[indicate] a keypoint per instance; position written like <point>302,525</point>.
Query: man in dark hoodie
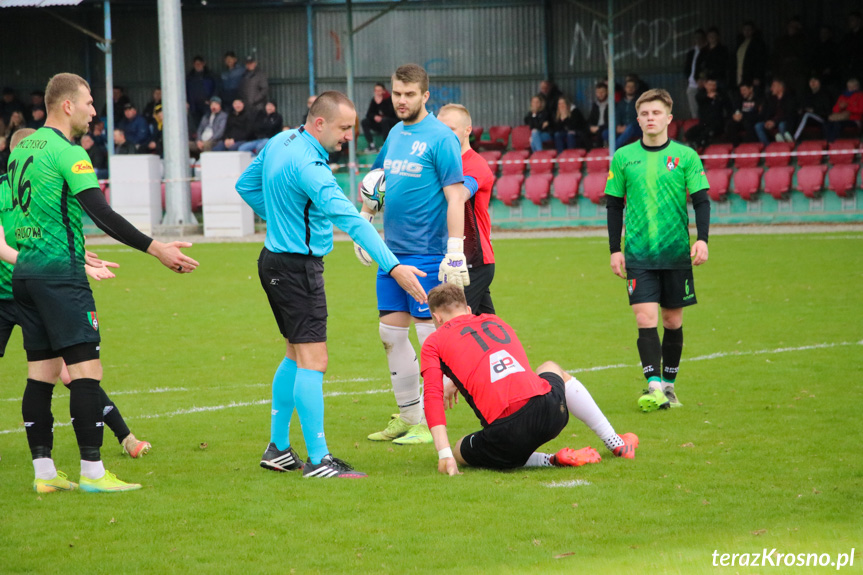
<point>238,129</point>
<point>200,87</point>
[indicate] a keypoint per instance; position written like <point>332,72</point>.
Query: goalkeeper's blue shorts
<point>391,296</point>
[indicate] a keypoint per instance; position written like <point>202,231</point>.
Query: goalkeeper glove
<point>453,268</point>
<point>362,254</point>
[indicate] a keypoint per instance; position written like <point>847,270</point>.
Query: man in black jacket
<point>380,117</point>
<point>238,129</point>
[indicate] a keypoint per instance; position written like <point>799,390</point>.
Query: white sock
<point>667,384</point>
<point>580,404</point>
<point>538,459</point>
<point>423,331</point>
<point>44,468</point>
<point>404,372</point>
<point>92,469</point>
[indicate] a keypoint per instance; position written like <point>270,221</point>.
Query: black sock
<point>672,349</point>
<point>85,407</point>
<point>38,419</point>
<point>111,416</point>
<point>650,350</point>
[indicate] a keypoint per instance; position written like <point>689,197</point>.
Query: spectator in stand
<point>200,88</point>
<point>37,118</point>
<point>232,77</point>
<point>120,100</point>
<point>848,110</point>
<point>211,129</point>
<point>597,120</point>
<point>815,106</point>
<point>779,114</point>
<point>254,88</point>
<point>98,155</point>
<point>747,113</point>
<point>717,63</point>
<point>825,58</point>
<point>4,154</point>
<point>121,146</point>
<point>751,64</point>
<point>380,117</point>
<point>16,122</point>
<point>37,99</point>
<point>713,111</point>
<point>692,70</point>
<point>150,108</point>
<point>267,125</point>
<point>851,48</point>
<point>97,132</point>
<point>539,121</point>
<point>551,93</point>
<point>135,126</point>
<point>239,128</point>
<point>627,118</point>
<point>154,146</point>
<point>9,104</point>
<point>570,127</point>
<point>791,57</point>
<point>640,85</point>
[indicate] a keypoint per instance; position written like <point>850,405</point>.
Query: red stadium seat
<point>106,190</point>
<point>542,162</point>
<point>810,179</point>
<point>521,138</point>
<point>492,157</point>
<point>716,150</point>
<point>513,162</point>
<point>498,138</point>
<point>718,179</point>
<point>508,189</point>
<point>687,124</point>
<point>673,130</point>
<point>850,145</point>
<point>782,151</point>
<point>777,181</point>
<point>597,161</point>
<point>537,188</point>
<point>748,148</point>
<point>594,187</point>
<point>842,179</point>
<point>195,189</point>
<point>570,161</point>
<point>475,135</point>
<point>810,146</point>
<point>747,182</point>
<point>566,187</point>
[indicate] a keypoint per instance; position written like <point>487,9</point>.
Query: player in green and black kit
<point>653,176</point>
<point>52,182</point>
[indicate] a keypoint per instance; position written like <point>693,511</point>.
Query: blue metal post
<point>109,81</point>
<point>612,119</point>
<point>310,33</point>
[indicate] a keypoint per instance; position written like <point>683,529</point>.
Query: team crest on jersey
<point>93,320</point>
<point>630,285</point>
<point>501,365</point>
<point>671,163</point>
<point>82,167</point>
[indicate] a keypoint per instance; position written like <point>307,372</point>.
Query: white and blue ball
<point>373,189</point>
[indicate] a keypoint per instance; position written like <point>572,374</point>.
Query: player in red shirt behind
<point>518,409</point>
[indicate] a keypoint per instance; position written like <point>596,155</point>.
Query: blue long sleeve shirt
<point>291,186</point>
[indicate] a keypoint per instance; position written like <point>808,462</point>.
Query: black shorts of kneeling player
<point>294,285</point>
<point>508,442</point>
<point>671,289</point>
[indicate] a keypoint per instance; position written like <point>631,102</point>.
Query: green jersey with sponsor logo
<point>654,181</point>
<point>46,171</point>
<point>7,220</point>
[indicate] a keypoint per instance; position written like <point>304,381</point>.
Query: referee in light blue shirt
<point>290,185</point>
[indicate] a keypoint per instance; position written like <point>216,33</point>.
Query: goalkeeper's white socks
<point>404,372</point>
<point>580,404</point>
<point>423,331</point>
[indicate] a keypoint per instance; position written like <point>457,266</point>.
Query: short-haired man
<point>477,222</point>
<point>290,185</point>
<point>57,311</point>
<point>424,226</point>
<point>519,410</point>
<point>652,176</point>
<point>135,127</point>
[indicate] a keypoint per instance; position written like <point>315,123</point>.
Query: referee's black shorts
<point>507,443</point>
<point>294,285</point>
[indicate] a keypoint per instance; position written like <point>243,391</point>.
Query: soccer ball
<point>373,189</point>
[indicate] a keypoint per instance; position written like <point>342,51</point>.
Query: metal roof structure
<point>37,3</point>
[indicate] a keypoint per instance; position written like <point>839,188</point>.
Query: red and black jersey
<point>477,222</point>
<point>485,360</point>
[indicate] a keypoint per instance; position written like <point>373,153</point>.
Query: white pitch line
<point>571,483</point>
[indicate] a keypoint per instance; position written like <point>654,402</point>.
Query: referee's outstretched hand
<point>171,256</point>
<point>618,264</point>
<point>406,276</point>
<point>698,253</point>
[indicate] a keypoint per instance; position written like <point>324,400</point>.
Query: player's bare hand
<point>172,257</point>
<point>698,253</point>
<point>618,264</point>
<point>406,276</point>
<point>450,393</point>
<point>99,273</point>
<point>92,259</point>
<point>448,466</point>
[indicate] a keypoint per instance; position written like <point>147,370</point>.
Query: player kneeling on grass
<point>519,410</point>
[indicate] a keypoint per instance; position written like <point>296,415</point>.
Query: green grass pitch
<point>765,454</point>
